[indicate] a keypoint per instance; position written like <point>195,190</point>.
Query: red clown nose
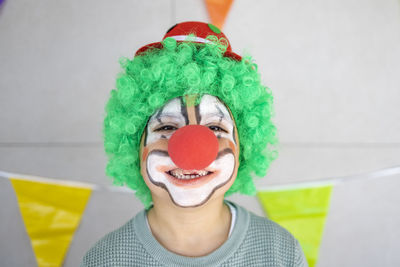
<point>193,147</point>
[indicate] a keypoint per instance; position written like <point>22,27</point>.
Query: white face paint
<point>212,110</point>
<point>189,188</point>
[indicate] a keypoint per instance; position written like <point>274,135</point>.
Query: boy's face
<point>189,188</point>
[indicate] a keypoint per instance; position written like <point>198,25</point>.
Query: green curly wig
<point>154,77</point>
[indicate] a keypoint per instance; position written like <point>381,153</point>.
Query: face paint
<point>190,187</point>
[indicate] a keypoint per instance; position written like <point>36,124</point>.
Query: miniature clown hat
<point>180,32</point>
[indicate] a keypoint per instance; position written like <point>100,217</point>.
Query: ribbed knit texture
<point>233,218</point>
<point>255,241</point>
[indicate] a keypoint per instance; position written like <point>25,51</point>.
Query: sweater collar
<point>217,257</point>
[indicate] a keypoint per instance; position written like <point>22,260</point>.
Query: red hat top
<point>181,31</point>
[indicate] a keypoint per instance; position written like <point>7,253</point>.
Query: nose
<point>193,147</point>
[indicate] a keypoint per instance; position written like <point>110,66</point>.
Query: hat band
<point>189,38</point>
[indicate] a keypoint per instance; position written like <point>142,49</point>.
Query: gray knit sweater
<point>255,241</point>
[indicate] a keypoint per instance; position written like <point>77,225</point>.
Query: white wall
<point>333,66</point>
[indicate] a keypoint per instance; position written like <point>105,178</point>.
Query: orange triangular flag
<point>218,11</point>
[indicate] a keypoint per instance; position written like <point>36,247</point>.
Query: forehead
<point>212,104</point>
<point>209,106</point>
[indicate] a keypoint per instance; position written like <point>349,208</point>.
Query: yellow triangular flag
<point>218,11</point>
<point>51,213</point>
<point>302,211</point>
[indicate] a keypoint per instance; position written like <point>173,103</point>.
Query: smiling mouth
<point>188,175</point>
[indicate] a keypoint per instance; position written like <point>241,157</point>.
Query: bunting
<point>51,214</point>
<point>218,11</point>
<point>302,211</point>
<point>52,209</point>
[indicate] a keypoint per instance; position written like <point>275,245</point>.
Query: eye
<point>216,128</point>
<point>165,128</point>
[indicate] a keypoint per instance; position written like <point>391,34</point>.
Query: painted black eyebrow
<point>219,110</point>
<point>220,113</point>
<point>184,111</point>
<point>221,116</point>
<point>169,115</point>
<point>227,108</point>
<point>228,119</point>
<point>197,113</point>
<point>159,113</point>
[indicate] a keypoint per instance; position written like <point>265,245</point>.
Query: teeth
<point>202,172</point>
<point>179,173</point>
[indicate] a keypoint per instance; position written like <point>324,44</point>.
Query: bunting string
<point>52,209</point>
<point>377,174</point>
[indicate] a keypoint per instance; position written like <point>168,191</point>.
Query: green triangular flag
<point>302,211</point>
